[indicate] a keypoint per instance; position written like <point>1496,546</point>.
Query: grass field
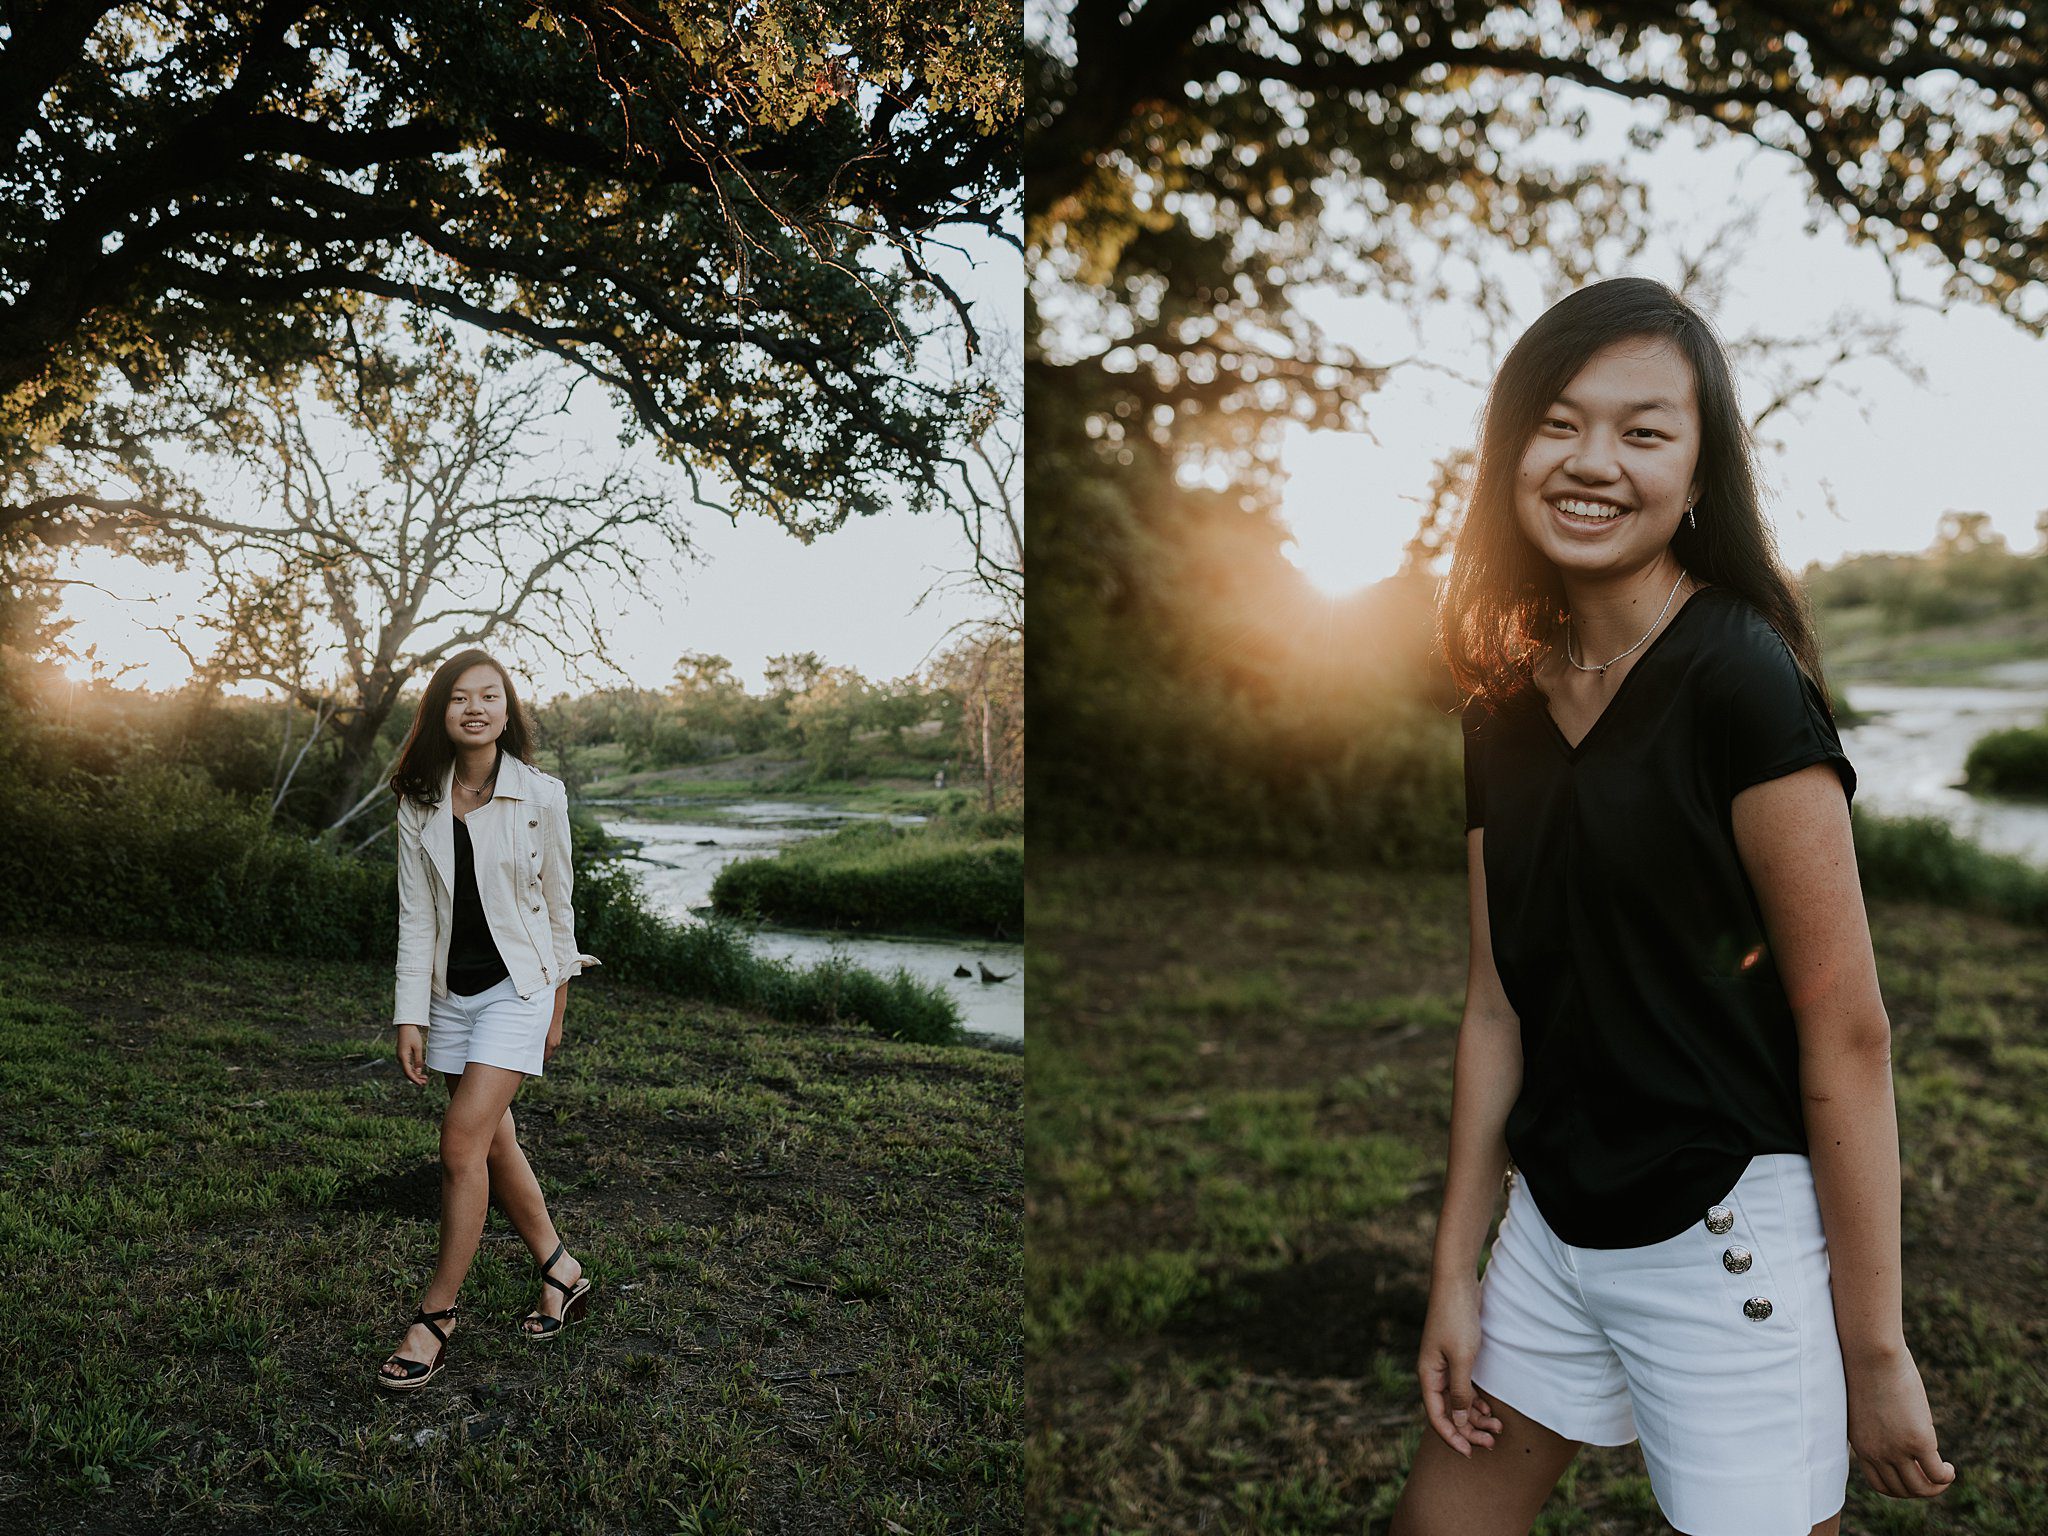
<point>1862,646</point>
<point>900,786</point>
<point>218,1206</point>
<point>1240,1095</point>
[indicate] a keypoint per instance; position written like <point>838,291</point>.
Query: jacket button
<point>533,823</point>
<point>1720,1219</point>
<point>1736,1261</point>
<point>536,909</point>
<point>1756,1309</point>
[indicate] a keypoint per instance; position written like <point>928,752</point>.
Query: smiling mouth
<point>1587,510</point>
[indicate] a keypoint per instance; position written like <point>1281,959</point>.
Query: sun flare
<point>1347,527</point>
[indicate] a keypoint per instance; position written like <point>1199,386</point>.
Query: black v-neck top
<point>474,964</point>
<point>1659,1052</point>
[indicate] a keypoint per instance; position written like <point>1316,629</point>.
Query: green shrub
<point>963,873</point>
<point>2013,762</point>
<point>159,853</point>
<point>1377,781</point>
<point>715,961</point>
<point>1922,858</point>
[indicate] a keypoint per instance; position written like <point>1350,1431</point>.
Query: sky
<point>851,596</point>
<point>1968,439</point>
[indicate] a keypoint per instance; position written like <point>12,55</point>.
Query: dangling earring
<point>1691,518</point>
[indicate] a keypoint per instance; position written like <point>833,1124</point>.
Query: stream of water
<point>1909,759</point>
<point>683,847</point>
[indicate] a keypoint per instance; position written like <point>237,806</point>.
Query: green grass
<point>893,786</point>
<point>1863,644</point>
<point>1240,1098</point>
<point>957,875</point>
<point>218,1202</point>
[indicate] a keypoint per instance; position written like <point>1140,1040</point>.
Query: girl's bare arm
<point>1793,836</point>
<point>1484,1083</point>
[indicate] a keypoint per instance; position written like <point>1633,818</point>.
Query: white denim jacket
<point>521,840</point>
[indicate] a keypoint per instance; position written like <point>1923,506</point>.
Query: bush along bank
<point>1923,858</point>
<point>2012,763</point>
<point>959,875</point>
<point>158,853</point>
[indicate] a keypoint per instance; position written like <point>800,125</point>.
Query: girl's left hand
<point>555,1025</point>
<point>1892,1432</point>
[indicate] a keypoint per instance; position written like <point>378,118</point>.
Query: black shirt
<point>1659,1052</point>
<point>474,964</point>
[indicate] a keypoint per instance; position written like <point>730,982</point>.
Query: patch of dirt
<point>1327,1316</point>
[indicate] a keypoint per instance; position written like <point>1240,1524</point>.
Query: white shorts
<point>1744,1419</point>
<point>496,1026</point>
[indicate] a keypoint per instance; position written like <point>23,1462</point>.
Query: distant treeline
<point>1968,573</point>
<point>838,724</point>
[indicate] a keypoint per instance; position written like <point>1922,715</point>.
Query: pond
<point>684,845</point>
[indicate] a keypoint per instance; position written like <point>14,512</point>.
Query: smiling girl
<point>486,947</point>
<point>1672,1026</point>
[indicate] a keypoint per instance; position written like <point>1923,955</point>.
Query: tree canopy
<point>1189,162</point>
<point>1193,168</point>
<point>722,215</point>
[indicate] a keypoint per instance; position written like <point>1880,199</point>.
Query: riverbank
<point>220,1199</point>
<point>1241,1084</point>
<point>755,775</point>
<point>2003,649</point>
<point>678,853</point>
<point>961,875</point>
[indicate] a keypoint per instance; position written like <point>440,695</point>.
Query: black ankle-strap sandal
<point>572,1309</point>
<point>417,1372</point>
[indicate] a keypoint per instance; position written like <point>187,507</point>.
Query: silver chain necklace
<point>489,779</point>
<point>1610,661</point>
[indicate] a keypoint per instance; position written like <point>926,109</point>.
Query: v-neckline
<point>1573,753</point>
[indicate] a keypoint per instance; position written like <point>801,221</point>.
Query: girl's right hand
<point>412,1054</point>
<point>1450,1343</point>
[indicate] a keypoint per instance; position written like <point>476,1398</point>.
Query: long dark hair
<point>1503,602</point>
<point>427,751</point>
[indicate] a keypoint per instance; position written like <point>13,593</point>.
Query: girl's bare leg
<point>480,1098</point>
<point>519,1195</point>
<point>1447,1495</point>
<point>1497,1491</point>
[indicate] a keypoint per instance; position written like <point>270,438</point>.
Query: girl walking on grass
<point>1672,1025</point>
<point>486,947</point>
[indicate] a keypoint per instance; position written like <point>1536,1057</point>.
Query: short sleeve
<point>1776,720</point>
<point>1475,778</point>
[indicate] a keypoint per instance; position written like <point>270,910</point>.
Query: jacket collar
<point>515,782</point>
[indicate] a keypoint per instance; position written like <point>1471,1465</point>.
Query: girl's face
<point>1604,479</point>
<point>476,709</point>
